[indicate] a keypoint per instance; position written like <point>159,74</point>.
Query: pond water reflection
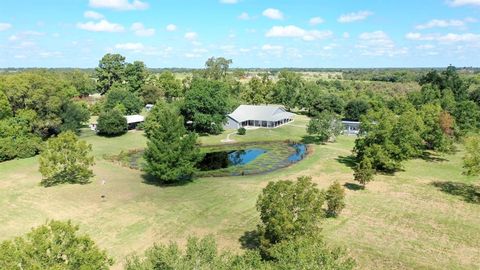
<point>225,159</point>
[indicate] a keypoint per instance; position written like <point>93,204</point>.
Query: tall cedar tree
<point>66,159</point>
<point>172,152</point>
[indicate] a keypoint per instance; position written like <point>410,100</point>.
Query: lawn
<point>399,222</point>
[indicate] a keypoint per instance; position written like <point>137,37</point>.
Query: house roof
<point>260,112</point>
<point>134,118</point>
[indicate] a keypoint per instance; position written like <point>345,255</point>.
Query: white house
<point>258,116</point>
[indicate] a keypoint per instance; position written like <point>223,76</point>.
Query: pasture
<point>402,221</point>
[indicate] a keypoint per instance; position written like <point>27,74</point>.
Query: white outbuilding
<point>266,116</point>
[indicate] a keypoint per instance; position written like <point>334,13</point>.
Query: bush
<point>335,199</point>
<point>241,131</point>
<point>66,159</point>
<point>112,123</point>
<point>55,245</point>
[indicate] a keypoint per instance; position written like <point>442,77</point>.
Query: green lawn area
<point>399,222</point>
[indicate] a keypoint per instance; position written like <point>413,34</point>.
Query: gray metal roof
<point>260,113</point>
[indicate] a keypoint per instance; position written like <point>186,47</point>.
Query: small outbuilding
<point>134,120</point>
<point>266,116</point>
<point>351,127</point>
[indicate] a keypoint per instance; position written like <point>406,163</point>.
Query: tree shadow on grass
<point>153,181</point>
<point>353,186</point>
<point>432,157</point>
<point>307,139</point>
<point>469,193</point>
<point>348,161</point>
<point>250,240</point>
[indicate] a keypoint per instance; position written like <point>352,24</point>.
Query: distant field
<point>399,222</point>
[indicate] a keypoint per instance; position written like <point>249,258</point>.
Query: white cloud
<point>228,1</point>
<point>457,3</point>
<point>244,16</point>
<point>93,15</point>
<point>119,4</point>
<point>346,35</point>
<point>101,26</point>
<point>445,23</point>
<point>5,26</point>
<point>135,47</point>
<point>272,48</point>
<point>191,36</point>
<point>141,31</point>
<point>378,43</point>
<point>273,14</point>
<point>355,16</point>
<point>316,20</point>
<point>293,31</point>
<point>425,47</point>
<point>171,27</point>
<point>446,38</point>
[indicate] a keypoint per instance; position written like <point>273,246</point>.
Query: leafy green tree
<point>54,245</point>
<point>136,74</point>
<point>325,126</point>
<point>112,123</point>
<point>170,86</point>
<point>309,252</point>
<point>81,81</point>
<point>151,93</point>
<point>5,108</point>
<point>287,88</point>
<point>471,160</point>
<point>327,102</point>
<point>65,159</point>
<point>309,97</point>
<point>475,96</point>
<point>467,116</point>
<point>74,115</point>
<point>407,136</point>
<point>110,70</point>
<point>120,96</point>
<point>205,106</point>
<point>335,197</point>
<point>355,109</point>
<point>435,136</point>
<point>364,171</point>
<point>17,139</point>
<point>289,209</point>
<point>216,68</point>
<point>172,152</point>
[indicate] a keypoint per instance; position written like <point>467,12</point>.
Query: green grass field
<point>398,222</point>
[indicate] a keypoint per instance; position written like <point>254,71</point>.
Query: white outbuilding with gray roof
<point>266,116</point>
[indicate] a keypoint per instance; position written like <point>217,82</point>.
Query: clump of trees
<point>325,126</point>
<point>289,237</point>
<point>54,245</point>
<point>172,152</point>
<point>65,159</point>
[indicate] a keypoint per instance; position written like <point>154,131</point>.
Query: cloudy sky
<point>254,33</point>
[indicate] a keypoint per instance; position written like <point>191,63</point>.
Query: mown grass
<point>398,222</point>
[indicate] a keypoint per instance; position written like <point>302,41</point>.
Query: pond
<point>225,159</point>
<point>232,159</point>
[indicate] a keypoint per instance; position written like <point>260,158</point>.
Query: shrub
<point>335,197</point>
<point>241,131</point>
<point>112,123</point>
<point>66,159</point>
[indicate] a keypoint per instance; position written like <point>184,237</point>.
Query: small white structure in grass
<point>266,116</point>
<point>351,127</point>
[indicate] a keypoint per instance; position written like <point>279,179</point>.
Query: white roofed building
<point>267,116</point>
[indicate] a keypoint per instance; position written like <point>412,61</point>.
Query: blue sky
<point>254,33</point>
